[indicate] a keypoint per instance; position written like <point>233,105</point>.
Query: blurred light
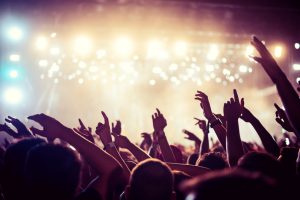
<point>83,45</point>
<point>181,48</point>
<point>12,95</point>
<point>41,43</point>
<point>80,81</point>
<point>296,67</point>
<point>14,57</point>
<point>43,63</point>
<point>209,67</point>
<point>152,82</point>
<point>15,33</point>
<point>156,50</point>
<point>100,53</point>
<point>249,50</point>
<point>278,51</point>
<point>243,68</point>
<point>54,51</point>
<point>123,46</point>
<point>13,73</point>
<point>297,45</point>
<point>213,52</point>
<point>297,79</point>
<point>53,35</point>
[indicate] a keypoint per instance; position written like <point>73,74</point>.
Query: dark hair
<point>151,179</point>
<point>213,161</point>
<point>179,178</point>
<point>192,159</point>
<point>14,164</point>
<point>52,172</point>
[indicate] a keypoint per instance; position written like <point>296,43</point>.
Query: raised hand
<point>281,118</point>
<point>51,127</point>
<point>202,125</point>
<point>266,60</point>
<point>84,132</point>
<point>247,116</point>
<point>9,131</point>
<point>103,130</point>
<point>204,103</point>
<point>21,128</point>
<point>116,129</point>
<point>191,136</point>
<point>233,108</point>
<point>159,122</point>
<point>122,141</point>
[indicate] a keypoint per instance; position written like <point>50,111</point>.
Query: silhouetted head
<point>150,179</point>
<point>230,184</point>
<point>261,162</point>
<point>14,164</point>
<point>192,159</point>
<point>52,172</point>
<point>213,161</point>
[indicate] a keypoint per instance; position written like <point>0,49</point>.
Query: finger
<point>8,120</point>
<point>106,121</point>
<point>231,100</point>
<point>118,123</point>
<point>112,125</point>
<point>242,103</point>
<point>258,59</point>
<point>11,118</point>
<point>77,131</point>
<point>236,96</point>
<point>158,112</point>
<point>201,93</point>
<point>152,117</point>
<point>279,121</point>
<point>81,124</point>
<point>37,131</point>
<point>276,106</point>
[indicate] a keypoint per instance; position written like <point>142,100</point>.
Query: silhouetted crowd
<point>62,163</point>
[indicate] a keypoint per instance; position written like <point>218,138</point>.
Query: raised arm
<point>282,119</point>
<point>232,112</point>
<point>21,128</point>
<point>205,130</point>
<point>192,137</point>
<point>265,137</point>
<point>287,93</point>
<point>212,119</point>
<point>159,124</point>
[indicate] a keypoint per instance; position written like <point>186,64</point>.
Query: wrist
<point>109,146</point>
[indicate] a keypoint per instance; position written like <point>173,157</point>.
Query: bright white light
<point>83,45</point>
<point>43,63</point>
<point>296,66</point>
<point>297,45</point>
<point>249,50</point>
<point>15,33</point>
<point>14,57</point>
<point>213,52</point>
<point>243,68</point>
<point>226,72</point>
<point>152,82</point>
<point>209,67</point>
<point>13,73</point>
<point>123,46</point>
<point>53,35</point>
<point>80,81</point>
<point>278,51</point>
<point>156,50</point>
<point>41,43</point>
<point>12,95</point>
<point>100,53</point>
<point>54,51</point>
<point>181,48</point>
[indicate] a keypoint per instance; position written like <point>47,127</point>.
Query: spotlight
<point>278,51</point>
<point>15,33</point>
<point>243,68</point>
<point>213,52</point>
<point>41,43</point>
<point>152,82</point>
<point>13,73</point>
<point>123,46</point>
<point>12,95</point>
<point>156,50</point>
<point>54,51</point>
<point>83,45</point>
<point>297,45</point>
<point>249,50</point>
<point>14,57</point>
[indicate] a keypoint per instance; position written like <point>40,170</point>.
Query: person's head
<point>287,158</point>
<point>52,172</point>
<point>230,184</point>
<point>192,159</point>
<point>14,164</point>
<point>179,178</point>
<point>213,161</point>
<point>150,179</point>
<point>261,162</point>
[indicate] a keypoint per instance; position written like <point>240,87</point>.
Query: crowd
<point>62,163</point>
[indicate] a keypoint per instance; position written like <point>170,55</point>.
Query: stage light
<point>123,46</point>
<point>181,48</point>
<point>100,53</point>
<point>12,95</point>
<point>213,52</point>
<point>152,82</point>
<point>53,35</point>
<point>278,51</point>
<point>243,68</point>
<point>83,45</point>
<point>296,66</point>
<point>297,45</point>
<point>15,33</point>
<point>156,50</point>
<point>13,73</point>
<point>14,57</point>
<point>54,51</point>
<point>41,43</point>
<point>80,81</point>
<point>209,67</point>
<point>249,50</point>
